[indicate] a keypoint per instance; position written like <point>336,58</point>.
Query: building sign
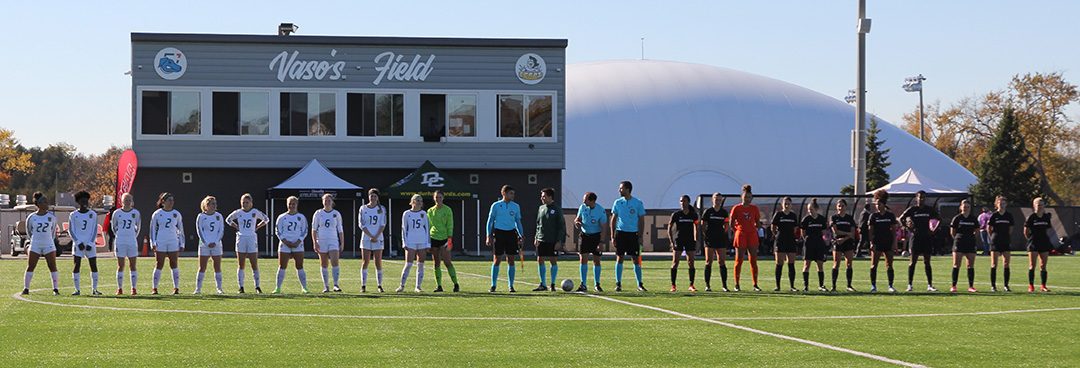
<point>432,179</point>
<point>288,66</point>
<point>391,67</point>
<point>170,63</point>
<point>531,68</point>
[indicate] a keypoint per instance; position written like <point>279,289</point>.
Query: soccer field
<point>475,328</point>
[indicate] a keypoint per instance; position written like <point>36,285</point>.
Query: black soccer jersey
<point>965,227</point>
<point>920,217</point>
<point>1038,227</point>
<point>715,224</point>
<point>813,226</point>
<point>785,224</point>
<point>881,227</point>
<point>845,222</point>
<point>684,225</point>
<point>1002,224</point>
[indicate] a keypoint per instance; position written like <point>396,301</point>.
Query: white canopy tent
<point>310,183</point>
<point>911,181</point>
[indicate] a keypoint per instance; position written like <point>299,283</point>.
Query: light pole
<point>859,146</point>
<point>914,84</point>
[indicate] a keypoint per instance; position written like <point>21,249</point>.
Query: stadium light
<point>914,84</point>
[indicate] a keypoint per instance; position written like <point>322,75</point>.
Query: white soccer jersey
<point>327,225</point>
<point>166,228</point>
<point>414,228</point>
<point>42,229</point>
<point>292,227</point>
<point>83,227</point>
<point>126,225</point>
<point>372,219</point>
<point>246,222</point>
<point>210,228</point>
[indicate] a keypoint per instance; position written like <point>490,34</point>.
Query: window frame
<point>525,108</point>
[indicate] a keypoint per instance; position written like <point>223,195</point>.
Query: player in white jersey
<point>372,224</point>
<point>247,220</point>
<point>291,231</point>
<point>41,225</point>
<point>82,225</point>
<point>210,227</point>
<point>126,223</point>
<point>416,239</point>
<point>167,239</point>
<point>328,234</point>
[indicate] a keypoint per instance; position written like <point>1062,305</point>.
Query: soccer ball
<point>567,285</point>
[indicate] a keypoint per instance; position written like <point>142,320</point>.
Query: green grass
<point>339,329</point>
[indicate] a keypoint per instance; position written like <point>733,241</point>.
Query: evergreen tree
<point>1005,169</point>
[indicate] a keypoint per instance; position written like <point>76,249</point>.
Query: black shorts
<point>922,245</point>
<point>685,245</point>
<point>999,243</point>
<point>881,247</point>
<point>626,243</point>
<point>720,242</point>
<point>964,246</point>
<point>814,250</point>
<point>589,244</point>
<point>545,249</point>
<point>435,243</point>
<point>506,242</point>
<point>783,246</point>
<point>844,246</point>
<point>1039,247</point>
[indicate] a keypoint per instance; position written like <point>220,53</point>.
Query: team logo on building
<point>432,179</point>
<point>170,63</point>
<point>530,68</point>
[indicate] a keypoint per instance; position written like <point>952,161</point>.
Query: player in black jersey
<point>917,219</point>
<point>843,229</point>
<point>1038,243</point>
<point>999,226</point>
<point>714,226</point>
<point>783,224</point>
<point>813,227</point>
<point>883,225</point>
<point>683,231</point>
<point>964,227</point>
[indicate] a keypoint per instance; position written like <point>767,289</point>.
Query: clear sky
<point>62,64</point>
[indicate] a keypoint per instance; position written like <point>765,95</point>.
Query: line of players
<point>430,231</point>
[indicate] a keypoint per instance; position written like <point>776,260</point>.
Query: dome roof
<point>678,128</point>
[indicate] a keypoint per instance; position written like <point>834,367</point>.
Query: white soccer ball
<point>567,285</point>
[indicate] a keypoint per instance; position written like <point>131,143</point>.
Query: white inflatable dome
<point>676,128</point>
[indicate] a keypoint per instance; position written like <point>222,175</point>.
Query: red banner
<point>125,174</point>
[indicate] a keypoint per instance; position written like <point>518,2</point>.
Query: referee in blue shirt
<point>627,220</point>
<point>504,233</point>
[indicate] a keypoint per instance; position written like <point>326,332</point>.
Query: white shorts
<point>42,249</point>
<point>167,248</point>
<point>329,247</point>
<point>282,248</point>
<point>418,246</point>
<point>247,244</point>
<point>367,244</point>
<point>129,250</point>
<point>88,251</point>
<point>206,251</point>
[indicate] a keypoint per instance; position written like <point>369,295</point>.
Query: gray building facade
<point>225,115</point>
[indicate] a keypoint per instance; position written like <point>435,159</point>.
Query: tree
<point>1006,168</point>
<point>877,160</point>
<point>13,158</point>
<point>1040,101</point>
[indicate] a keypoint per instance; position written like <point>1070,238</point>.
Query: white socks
<point>157,277</point>
<point>302,275</point>
<point>363,277</point>
<point>280,278</point>
<point>94,280</point>
<point>134,279</point>
<point>217,279</point>
<point>26,280</point>
<point>198,281</point>
<point>75,276</point>
<point>240,277</point>
<point>325,276</point>
<point>255,275</point>
<point>420,275</point>
<point>120,280</point>
<point>337,275</point>
<point>55,279</point>
<point>405,272</point>
<point>176,278</point>
<point>378,274</point>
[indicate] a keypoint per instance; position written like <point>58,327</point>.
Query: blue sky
<point>61,66</point>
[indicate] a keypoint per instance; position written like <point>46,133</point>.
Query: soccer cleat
<point>692,289</point>
<point>673,288</point>
<point>196,292</point>
<point>909,288</point>
<point>512,290</point>
<point>1031,288</point>
<point>133,292</point>
<point>618,286</point>
<point>777,289</point>
<point>457,288</point>
<point>153,291</point>
<point>541,288</point>
<point>438,289</point>
<point>873,289</point>
<point>418,290</point>
<point>337,289</point>
<point>55,292</point>
<point>76,293</point>
<point>993,289</point>
<point>276,291</point>
<point>737,288</point>
<point>850,289</point>
<point>119,291</point>
<point>972,290</point>
<point>794,290</point>
<point>492,290</point>
<point>756,288</point>
<point>708,288</point>
<point>725,289</point>
<point>892,289</point>
<point>219,291</point>
<point>641,288</point>
<point>363,288</point>
<point>241,290</point>
<point>598,288</point>
<point>175,291</point>
<point>304,291</point>
<point>1007,289</point>
<point>380,288</point>
<point>25,291</point>
<point>823,289</point>
<point>931,288</point>
<point>552,288</point>
<point>582,288</point>
<point>1044,289</point>
<point>95,292</point>
<point>258,290</point>
<point>952,289</point>
<point>326,290</point>
<point>398,290</point>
